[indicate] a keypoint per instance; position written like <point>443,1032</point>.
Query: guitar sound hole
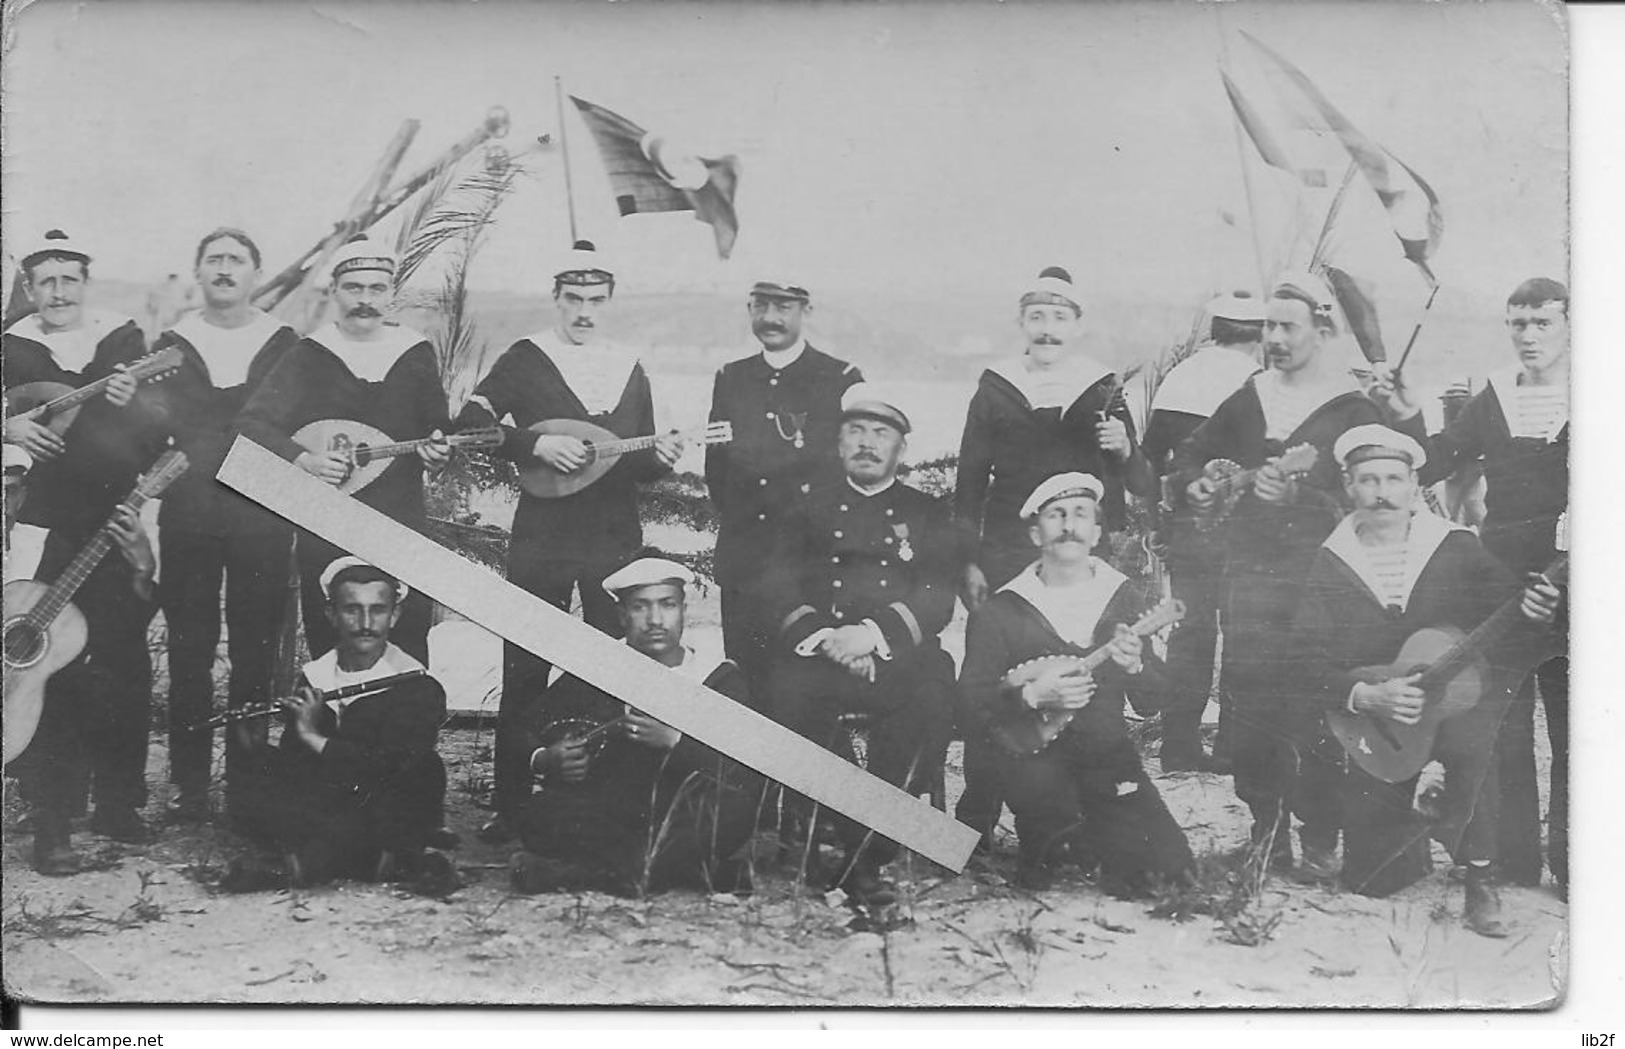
<point>24,643</point>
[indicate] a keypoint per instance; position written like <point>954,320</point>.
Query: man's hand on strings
<point>1397,699</point>
<point>120,387</point>
<point>1127,649</point>
<point>562,452</point>
<point>436,454</point>
<point>130,536</point>
<point>328,466</point>
<point>1540,600</point>
<point>1060,688</point>
<point>566,759</point>
<point>1272,485</point>
<point>1199,494</point>
<point>668,449</point>
<point>645,731</point>
<point>37,440</point>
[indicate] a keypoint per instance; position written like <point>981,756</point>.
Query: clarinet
<point>265,710</point>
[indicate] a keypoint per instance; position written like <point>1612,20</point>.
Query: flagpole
<point>1417,330</point>
<point>564,144</point>
<point>1241,157</point>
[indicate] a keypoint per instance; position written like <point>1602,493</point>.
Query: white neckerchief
<point>1509,393</point>
<point>1428,530</point>
<point>1073,611</point>
<point>596,374</point>
<point>368,361</point>
<point>1200,382</point>
<point>324,673</point>
<point>867,491</point>
<point>74,349</point>
<point>778,360</point>
<point>1286,407</point>
<point>1055,388</point>
<point>228,351</point>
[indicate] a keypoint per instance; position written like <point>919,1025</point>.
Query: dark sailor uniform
<point>377,786</point>
<point>1526,490</point>
<point>393,384</point>
<point>93,728</point>
<point>1343,624</point>
<point>208,533</point>
<point>843,558</point>
<point>560,545</point>
<point>642,820</point>
<point>1086,794</point>
<point>1280,755</point>
<point>785,422</point>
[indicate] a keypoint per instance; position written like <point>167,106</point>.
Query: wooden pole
<point>1331,217</point>
<point>564,144</point>
<point>1411,343</point>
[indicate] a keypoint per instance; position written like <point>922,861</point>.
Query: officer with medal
<point>784,405</point>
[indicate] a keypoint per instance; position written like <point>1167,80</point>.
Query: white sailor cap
<point>1053,286</point>
<point>362,253</point>
<point>1373,441</point>
<point>1061,486</point>
<point>583,264</point>
<point>54,242</point>
<point>1307,289</point>
<point>347,561</point>
<point>872,400</point>
<point>1241,306</point>
<point>780,289</point>
<point>646,571</point>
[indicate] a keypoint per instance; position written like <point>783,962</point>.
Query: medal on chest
<point>905,551</point>
<point>796,434</point>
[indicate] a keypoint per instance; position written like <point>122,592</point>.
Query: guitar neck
<point>638,444</point>
<point>1241,479</point>
<point>1486,633</point>
<point>73,577</point>
<point>397,448</point>
<point>73,398</point>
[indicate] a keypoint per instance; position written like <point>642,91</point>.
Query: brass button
<point>839,534</point>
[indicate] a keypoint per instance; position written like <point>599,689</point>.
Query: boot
<point>1482,913</point>
<point>54,854</point>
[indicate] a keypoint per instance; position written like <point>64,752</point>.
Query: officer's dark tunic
<point>784,424</point>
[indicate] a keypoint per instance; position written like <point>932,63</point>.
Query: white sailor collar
<point>73,350</point>
<point>1505,383</point>
<point>228,352</point>
<point>699,664</point>
<point>1073,619</point>
<point>1428,531</point>
<point>368,361</point>
<point>597,374</point>
<point>324,673</point>
<point>1199,383</point>
<point>1077,373</point>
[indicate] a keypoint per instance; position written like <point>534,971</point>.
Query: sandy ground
<point>150,927</point>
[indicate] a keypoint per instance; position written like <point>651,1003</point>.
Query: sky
<point>922,149</point>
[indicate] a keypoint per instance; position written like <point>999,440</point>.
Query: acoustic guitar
<point>1230,481</point>
<point>1456,677</point>
<point>43,632</point>
<point>604,449</point>
<point>1030,731</point>
<point>56,405</point>
<point>367,450</point>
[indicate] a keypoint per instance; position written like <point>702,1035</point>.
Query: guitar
<point>55,405</point>
<point>538,479</point>
<point>1456,677</point>
<point>265,710</point>
<point>43,632</point>
<point>368,450</point>
<point>1031,731</point>
<point>1230,480</point>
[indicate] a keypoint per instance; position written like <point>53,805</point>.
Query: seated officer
<point>860,584</point>
<point>355,788</point>
<point>624,803</point>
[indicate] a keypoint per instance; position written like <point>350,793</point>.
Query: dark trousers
<point>254,567</point>
<point>1286,763</point>
<point>411,633</point>
<point>1097,805</point>
<point>983,801</point>
<point>1190,659</point>
<point>910,712</point>
<point>1520,852</point>
<point>1385,842</point>
<point>338,832</point>
<point>524,674</point>
<point>646,834</point>
<point>747,639</point>
<point>92,735</point>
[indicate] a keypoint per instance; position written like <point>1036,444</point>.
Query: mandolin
<point>368,450</point>
<point>1031,731</point>
<point>1456,676</point>
<point>604,449</point>
<point>56,405</point>
<point>43,632</point>
<point>1230,480</point>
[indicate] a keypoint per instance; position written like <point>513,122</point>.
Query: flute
<point>265,710</point>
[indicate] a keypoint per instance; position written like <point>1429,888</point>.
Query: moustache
<point>225,282</point>
<point>866,457</point>
<point>581,322</point>
<point>1046,340</point>
<point>1384,504</point>
<point>365,311</point>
